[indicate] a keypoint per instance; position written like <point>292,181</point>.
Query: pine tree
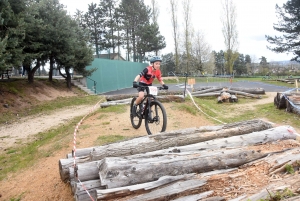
<point>11,33</point>
<point>288,24</point>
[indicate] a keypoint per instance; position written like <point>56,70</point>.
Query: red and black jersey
<point>149,74</point>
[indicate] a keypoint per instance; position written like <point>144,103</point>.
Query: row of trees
<point>195,55</point>
<point>126,24</point>
<point>34,32</point>
<point>192,53</point>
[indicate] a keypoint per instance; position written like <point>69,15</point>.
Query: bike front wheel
<point>155,118</point>
<point>136,120</point>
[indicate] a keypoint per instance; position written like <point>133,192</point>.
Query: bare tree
<point>186,4</point>
<point>201,51</point>
<point>155,10</point>
<point>230,33</point>
<point>173,4</point>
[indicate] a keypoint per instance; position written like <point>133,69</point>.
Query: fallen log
<point>199,196</point>
<point>127,96</point>
<point>91,186</point>
<point>207,90</point>
<point>241,89</point>
<point>163,99</point>
<point>249,90</point>
<point>117,172</point>
<point>65,164</point>
<point>208,94</point>
<point>244,94</point>
<point>175,138</point>
<point>144,187</point>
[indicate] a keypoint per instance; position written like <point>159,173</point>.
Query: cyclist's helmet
<point>155,58</point>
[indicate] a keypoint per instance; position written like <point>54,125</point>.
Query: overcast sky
<point>255,19</point>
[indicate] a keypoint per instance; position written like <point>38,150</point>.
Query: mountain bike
<point>151,110</point>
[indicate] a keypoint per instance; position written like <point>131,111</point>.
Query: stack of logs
<point>288,100</point>
<point>171,164</point>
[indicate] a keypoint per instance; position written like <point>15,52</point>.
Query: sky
<point>255,19</point>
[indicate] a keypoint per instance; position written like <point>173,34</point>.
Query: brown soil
<point>42,180</point>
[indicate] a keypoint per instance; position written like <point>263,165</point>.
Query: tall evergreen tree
<point>108,10</point>
<point>75,52</point>
<point>93,21</point>
<point>220,62</point>
<point>135,15</point>
<point>240,65</point>
<point>12,33</point>
<point>289,25</point>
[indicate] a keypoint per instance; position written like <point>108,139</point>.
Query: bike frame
<point>148,98</point>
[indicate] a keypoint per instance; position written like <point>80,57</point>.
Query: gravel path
<point>26,128</point>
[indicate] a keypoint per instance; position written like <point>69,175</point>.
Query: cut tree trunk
<point>144,187</point>
<point>244,94</point>
<point>173,190</point>
<point>175,138</point>
<point>117,172</point>
<point>207,90</point>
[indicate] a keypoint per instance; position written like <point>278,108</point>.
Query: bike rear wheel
<point>136,121</point>
<point>156,121</point>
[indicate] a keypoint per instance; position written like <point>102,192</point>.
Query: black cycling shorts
<point>142,88</point>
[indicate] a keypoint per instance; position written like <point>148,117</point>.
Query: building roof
<point>111,56</point>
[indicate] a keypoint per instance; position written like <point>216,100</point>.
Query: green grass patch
<point>107,139</point>
<point>83,127</point>
<point>102,116</point>
<point>105,123</point>
<point>115,109</point>
<point>235,112</point>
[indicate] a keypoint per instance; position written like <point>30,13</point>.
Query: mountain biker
<point>145,78</point>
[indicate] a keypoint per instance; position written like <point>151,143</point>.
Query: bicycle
<point>151,110</point>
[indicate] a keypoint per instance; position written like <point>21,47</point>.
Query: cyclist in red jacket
<point>146,78</point>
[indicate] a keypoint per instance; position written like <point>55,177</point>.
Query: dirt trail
<point>26,128</point>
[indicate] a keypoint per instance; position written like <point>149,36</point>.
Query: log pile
<point>176,164</point>
<point>289,80</point>
<point>121,99</point>
<point>177,96</point>
<point>290,101</point>
<point>228,94</point>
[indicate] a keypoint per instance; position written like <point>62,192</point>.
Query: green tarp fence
<point>113,75</point>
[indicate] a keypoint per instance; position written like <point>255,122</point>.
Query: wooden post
<point>191,82</point>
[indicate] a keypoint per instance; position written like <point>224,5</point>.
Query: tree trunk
<point>128,190</point>
<point>175,138</point>
<point>174,189</point>
<point>207,90</point>
<point>117,172</point>
<point>32,71</point>
<point>51,68</point>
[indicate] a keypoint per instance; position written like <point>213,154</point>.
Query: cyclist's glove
<point>165,86</point>
<point>135,84</point>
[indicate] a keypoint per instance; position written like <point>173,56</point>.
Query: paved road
<point>245,84</point>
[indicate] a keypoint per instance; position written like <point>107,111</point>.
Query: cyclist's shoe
<point>140,111</point>
<point>133,111</point>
